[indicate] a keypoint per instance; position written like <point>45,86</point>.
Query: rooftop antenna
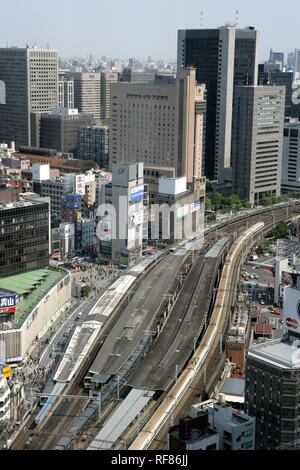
<point>237,17</point>
<point>201,22</point>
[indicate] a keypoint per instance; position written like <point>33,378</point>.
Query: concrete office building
<point>257,139</point>
<point>290,179</point>
<point>223,57</point>
<point>213,425</point>
<point>25,236</point>
<point>273,378</point>
<point>137,76</point>
<point>86,92</point>
<point>161,125</point>
<point>93,144</point>
<point>297,60</point>
<point>65,91</point>
<point>29,77</point>
<point>272,391</point>
<point>107,78</point>
<point>277,57</point>
<point>59,129</point>
<point>121,214</point>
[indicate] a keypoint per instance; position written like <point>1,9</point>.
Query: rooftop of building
<point>282,353</point>
<point>21,203</point>
<point>31,287</point>
<point>233,386</point>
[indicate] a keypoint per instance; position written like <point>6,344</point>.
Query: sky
<point>140,28</point>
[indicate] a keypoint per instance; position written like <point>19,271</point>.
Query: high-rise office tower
<point>224,57</point>
<point>277,57</point>
<point>161,125</point>
<point>86,92</point>
<point>257,139</point>
<point>291,60</point>
<point>65,91</point>
<point>278,78</point>
<point>297,60</point>
<point>107,78</point>
<point>272,389</point>
<point>30,78</point>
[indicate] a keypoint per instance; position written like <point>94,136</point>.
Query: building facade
<point>59,130</point>
<point>107,78</point>
<point>30,78</point>
<point>290,180</point>
<point>257,139</point>
<point>278,78</point>
<point>86,92</point>
<point>65,91</point>
<point>93,144</point>
<point>24,237</point>
<point>159,125</point>
<point>223,58</point>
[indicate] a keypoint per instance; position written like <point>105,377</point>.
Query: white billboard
<point>136,218</point>
<point>291,310</point>
<point>80,185</point>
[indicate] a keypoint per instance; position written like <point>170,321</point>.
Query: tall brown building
<point>161,125</point>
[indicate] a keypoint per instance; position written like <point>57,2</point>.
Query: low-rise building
<point>213,425</point>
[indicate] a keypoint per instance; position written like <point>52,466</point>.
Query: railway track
<point>63,414</point>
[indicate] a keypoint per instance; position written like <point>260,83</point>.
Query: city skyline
<point>102,29</point>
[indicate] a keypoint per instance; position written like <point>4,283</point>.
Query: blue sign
<point>73,201</point>
<point>137,194</point>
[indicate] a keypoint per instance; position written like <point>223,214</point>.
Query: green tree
<point>217,199</point>
<point>208,203</point>
<point>85,290</point>
<point>233,201</point>
<point>280,231</point>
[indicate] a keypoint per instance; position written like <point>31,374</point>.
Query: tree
<point>208,203</point>
<point>280,231</point>
<point>217,199</point>
<point>85,290</point>
<point>233,201</point>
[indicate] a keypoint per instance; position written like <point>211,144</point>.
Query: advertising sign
<point>136,218</point>
<point>136,194</point>
<point>8,303</point>
<point>73,201</point>
<point>291,310</point>
<point>289,279</point>
<point>80,185</point>
<point>196,206</point>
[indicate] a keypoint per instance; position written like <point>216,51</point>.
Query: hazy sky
<point>138,28</point>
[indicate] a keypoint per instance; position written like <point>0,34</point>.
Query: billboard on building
<point>289,279</point>
<point>136,194</point>
<point>73,201</point>
<point>67,230</point>
<point>8,303</point>
<point>80,185</point>
<point>105,248</point>
<point>291,310</point>
<point>136,218</point>
<point>196,206</point>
